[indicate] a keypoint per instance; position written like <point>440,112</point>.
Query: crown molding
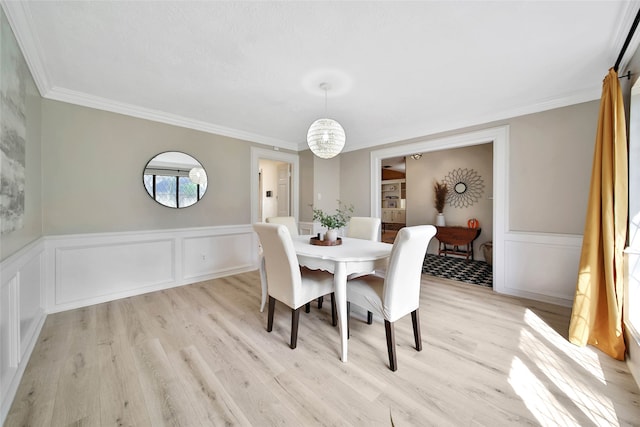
<point>85,100</point>
<point>586,95</point>
<point>20,21</point>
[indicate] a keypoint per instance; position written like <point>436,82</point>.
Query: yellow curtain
<point>596,318</point>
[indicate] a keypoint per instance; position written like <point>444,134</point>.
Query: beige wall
<point>31,230</point>
<point>550,156</point>
<point>93,160</point>
<point>326,183</point>
<point>92,173</point>
<point>355,168</point>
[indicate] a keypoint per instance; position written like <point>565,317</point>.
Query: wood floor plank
<point>163,392</point>
<point>205,391</point>
<point>121,401</point>
<point>35,398</point>
<point>220,332</point>
<point>77,398</point>
<point>200,355</point>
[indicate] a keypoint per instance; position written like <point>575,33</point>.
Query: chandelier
<point>326,137</point>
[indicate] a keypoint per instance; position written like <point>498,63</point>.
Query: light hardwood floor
<point>200,355</point>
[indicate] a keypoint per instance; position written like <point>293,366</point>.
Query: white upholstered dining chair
<point>289,221</point>
<point>287,282</point>
<point>361,227</point>
<point>397,293</point>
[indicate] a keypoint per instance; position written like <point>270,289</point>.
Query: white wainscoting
<point>59,273</point>
<point>540,266</point>
<point>21,316</point>
<point>94,268</point>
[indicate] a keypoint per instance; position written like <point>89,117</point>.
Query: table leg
<point>263,284</point>
<point>340,290</point>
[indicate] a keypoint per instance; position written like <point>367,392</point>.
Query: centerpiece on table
<point>335,221</point>
<point>440,190</point>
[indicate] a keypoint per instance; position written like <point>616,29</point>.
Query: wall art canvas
<point>13,72</point>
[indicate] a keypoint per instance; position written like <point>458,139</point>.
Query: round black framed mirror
<point>175,179</point>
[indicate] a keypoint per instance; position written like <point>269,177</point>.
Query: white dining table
<point>353,256</point>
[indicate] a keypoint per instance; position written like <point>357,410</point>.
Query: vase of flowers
<point>335,221</point>
<point>440,190</point>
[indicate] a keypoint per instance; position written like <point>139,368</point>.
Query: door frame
<point>499,136</point>
<point>293,159</point>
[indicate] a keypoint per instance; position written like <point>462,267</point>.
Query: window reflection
<point>175,179</point>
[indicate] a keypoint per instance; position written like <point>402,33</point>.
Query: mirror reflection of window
<point>175,179</point>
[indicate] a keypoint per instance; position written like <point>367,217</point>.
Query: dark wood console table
<point>456,240</point>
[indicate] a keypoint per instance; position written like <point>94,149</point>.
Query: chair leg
<point>369,317</point>
<point>320,300</point>
<point>415,318</point>
<point>307,307</point>
<point>334,310</point>
<point>391,345</point>
<point>295,319</point>
<point>348,319</point>
<point>272,306</point>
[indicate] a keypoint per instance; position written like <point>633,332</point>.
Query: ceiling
<point>252,70</point>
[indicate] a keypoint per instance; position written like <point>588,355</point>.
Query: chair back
<point>280,262</point>
<point>361,227</point>
<point>401,292</point>
<point>289,221</point>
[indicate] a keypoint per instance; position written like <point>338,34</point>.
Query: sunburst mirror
<point>465,187</point>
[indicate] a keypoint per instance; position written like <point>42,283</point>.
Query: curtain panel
<point>596,318</point>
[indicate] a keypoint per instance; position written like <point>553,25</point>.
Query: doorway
<point>499,136</point>
<point>258,186</point>
<point>393,189</point>
<point>274,195</point>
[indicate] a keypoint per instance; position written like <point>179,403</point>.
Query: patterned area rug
<point>474,272</point>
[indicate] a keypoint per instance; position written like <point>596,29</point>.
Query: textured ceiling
<point>252,70</point>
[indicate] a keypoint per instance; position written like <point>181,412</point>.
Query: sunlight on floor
<point>585,356</point>
<point>534,394</point>
<point>540,370</point>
